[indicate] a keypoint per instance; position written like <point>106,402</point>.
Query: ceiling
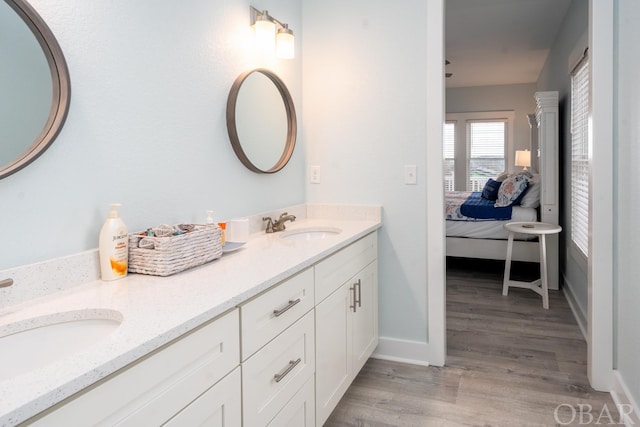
<point>498,42</point>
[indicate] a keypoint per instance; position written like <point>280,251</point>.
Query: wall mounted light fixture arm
<point>264,15</point>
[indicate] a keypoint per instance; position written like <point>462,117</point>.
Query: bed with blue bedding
<point>481,215</point>
<point>475,227</point>
<point>476,230</point>
<point>471,206</point>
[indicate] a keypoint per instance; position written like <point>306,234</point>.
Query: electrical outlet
<point>410,174</point>
<point>314,174</point>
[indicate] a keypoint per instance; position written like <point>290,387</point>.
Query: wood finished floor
<point>509,363</point>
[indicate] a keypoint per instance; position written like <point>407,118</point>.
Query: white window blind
<point>474,148</point>
<point>486,152</point>
<point>448,150</point>
<point>580,156</point>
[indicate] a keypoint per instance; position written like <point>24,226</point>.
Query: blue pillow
<point>490,190</point>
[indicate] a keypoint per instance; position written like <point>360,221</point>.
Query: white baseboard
<point>624,400</point>
<point>578,313</point>
<point>405,351</point>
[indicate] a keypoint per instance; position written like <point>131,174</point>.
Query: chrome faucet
<point>278,225</point>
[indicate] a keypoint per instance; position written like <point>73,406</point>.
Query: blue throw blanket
<point>471,206</point>
<point>478,207</point>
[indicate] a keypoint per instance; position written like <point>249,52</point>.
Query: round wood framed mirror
<point>261,121</point>
<point>35,84</point>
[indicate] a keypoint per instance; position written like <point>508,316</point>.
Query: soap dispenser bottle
<point>114,246</point>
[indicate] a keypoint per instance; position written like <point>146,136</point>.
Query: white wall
<point>517,98</point>
<point>365,112</point>
<point>555,76</point>
<point>627,204</point>
<point>146,125</point>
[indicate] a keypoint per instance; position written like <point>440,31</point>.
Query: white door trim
<point>435,265</point>
<point>600,276</point>
<point>600,273</point>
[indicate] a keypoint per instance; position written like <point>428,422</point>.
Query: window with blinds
<point>448,150</point>
<point>474,148</point>
<point>580,156</point>
<point>486,152</point>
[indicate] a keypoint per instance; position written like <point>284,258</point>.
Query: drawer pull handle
<point>292,364</point>
<point>355,300</point>
<point>359,285</point>
<point>287,307</point>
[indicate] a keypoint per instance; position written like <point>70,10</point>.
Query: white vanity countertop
<point>157,310</point>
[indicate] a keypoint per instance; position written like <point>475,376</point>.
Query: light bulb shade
<point>265,34</point>
<point>285,47</point>
<point>523,158</point>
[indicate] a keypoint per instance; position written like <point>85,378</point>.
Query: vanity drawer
<point>272,312</point>
<point>300,410</point>
<point>333,271</point>
<point>218,406</point>
<point>273,376</point>
<point>151,391</point>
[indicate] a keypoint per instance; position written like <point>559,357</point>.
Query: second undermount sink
<point>310,233</point>
<point>33,343</point>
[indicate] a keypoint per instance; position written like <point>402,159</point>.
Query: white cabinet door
<point>365,316</point>
<point>346,335</point>
<point>220,406</point>
<point>333,351</point>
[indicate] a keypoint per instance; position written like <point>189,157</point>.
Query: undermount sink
<point>310,233</point>
<point>38,341</point>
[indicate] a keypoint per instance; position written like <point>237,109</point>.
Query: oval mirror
<point>261,121</point>
<point>34,83</point>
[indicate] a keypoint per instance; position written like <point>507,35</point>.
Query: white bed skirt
<point>489,229</point>
<point>488,239</point>
<point>462,247</point>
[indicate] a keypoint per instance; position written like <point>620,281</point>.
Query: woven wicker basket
<point>173,254</point>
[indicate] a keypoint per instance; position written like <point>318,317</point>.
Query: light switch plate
<point>314,174</point>
<point>410,174</point>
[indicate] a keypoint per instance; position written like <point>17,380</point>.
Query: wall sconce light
<point>272,33</point>
<point>523,158</point>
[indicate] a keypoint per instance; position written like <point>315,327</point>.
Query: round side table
<point>540,229</point>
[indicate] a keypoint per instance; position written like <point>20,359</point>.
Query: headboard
<point>547,115</point>
<point>533,143</point>
<point>548,150</point>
